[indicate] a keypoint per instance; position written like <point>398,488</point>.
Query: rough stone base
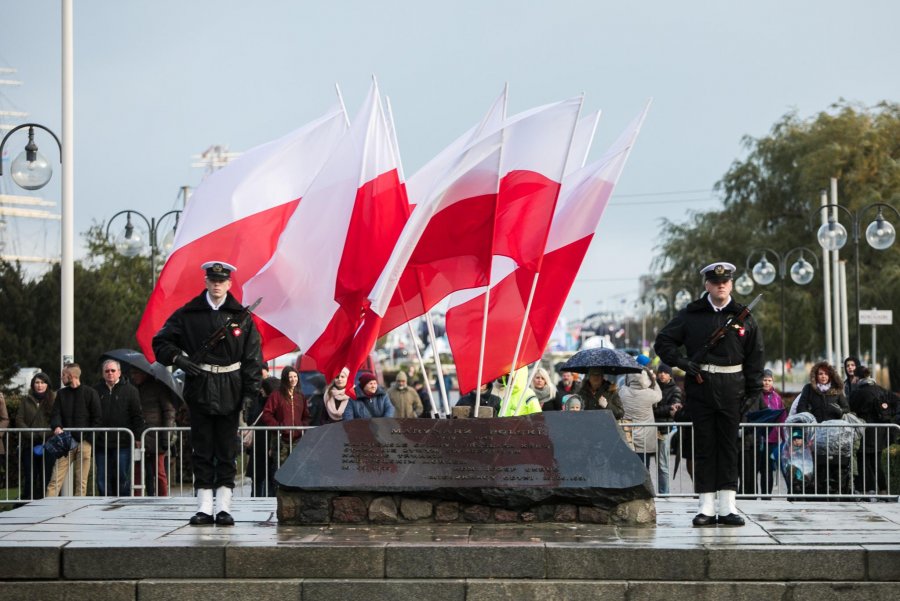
<point>307,508</point>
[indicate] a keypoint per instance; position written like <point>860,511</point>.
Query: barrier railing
<point>814,461</point>
<point>798,460</point>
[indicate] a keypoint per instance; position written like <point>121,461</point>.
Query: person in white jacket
<point>638,396</point>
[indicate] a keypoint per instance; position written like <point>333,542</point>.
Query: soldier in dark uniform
<point>731,374</point>
<point>217,385</point>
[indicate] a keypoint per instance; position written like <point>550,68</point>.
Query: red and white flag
<point>315,287</point>
<point>582,201</point>
<point>510,174</point>
<point>236,215</point>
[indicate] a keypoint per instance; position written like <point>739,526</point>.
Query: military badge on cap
<point>718,272</point>
<point>218,270</point>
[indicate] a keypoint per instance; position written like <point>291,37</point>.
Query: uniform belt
<point>721,369</point>
<point>220,369</point>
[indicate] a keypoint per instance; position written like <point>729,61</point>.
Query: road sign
<point>876,317</point>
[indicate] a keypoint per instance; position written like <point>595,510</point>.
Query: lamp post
<point>31,170</point>
<point>880,235</point>
<point>764,273</point>
<point>130,244</point>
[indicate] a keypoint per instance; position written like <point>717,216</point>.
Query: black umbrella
<point>137,360</point>
<point>611,361</point>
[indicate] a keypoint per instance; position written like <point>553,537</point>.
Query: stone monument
<point>547,467</point>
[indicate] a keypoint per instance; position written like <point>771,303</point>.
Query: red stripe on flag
<point>379,212</point>
<point>454,253</point>
<point>247,244</point>
<point>506,311</point>
<point>524,211</point>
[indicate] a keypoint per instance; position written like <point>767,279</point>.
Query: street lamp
<point>130,244</point>
<point>31,171</point>
<point>764,273</point>
<point>880,235</point>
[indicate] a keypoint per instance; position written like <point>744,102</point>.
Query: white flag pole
<point>534,283</point>
<point>437,363</point>
<point>340,96</point>
<point>487,294</point>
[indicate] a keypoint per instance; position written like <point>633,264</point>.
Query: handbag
<point>247,435</point>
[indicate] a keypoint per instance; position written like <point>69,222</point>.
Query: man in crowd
<point>720,380</point>
<point>158,409</point>
<point>664,411</point>
<point>120,407</point>
<point>405,400</point>
<point>76,406</point>
<point>221,377</point>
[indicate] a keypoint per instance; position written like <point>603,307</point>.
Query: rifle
<point>717,336</point>
<point>235,323</point>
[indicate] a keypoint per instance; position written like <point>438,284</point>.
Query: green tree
<point>110,294</point>
<point>770,198</point>
<point>16,323</point>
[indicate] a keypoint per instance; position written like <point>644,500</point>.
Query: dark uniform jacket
<point>741,345</point>
<point>76,408</point>
<point>187,329</point>
<point>875,405</point>
<point>120,408</point>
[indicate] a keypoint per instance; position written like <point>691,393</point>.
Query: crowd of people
<point>95,430</point>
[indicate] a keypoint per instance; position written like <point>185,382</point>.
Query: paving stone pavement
<point>143,548</point>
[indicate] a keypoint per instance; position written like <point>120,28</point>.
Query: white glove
<point>602,402</point>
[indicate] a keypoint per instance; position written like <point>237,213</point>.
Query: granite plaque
<point>553,457</point>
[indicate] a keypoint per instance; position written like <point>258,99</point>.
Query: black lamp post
<point>30,169</point>
<point>129,242</point>
<point>764,273</point>
<point>880,235</point>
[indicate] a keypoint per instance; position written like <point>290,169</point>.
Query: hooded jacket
<point>366,407</point>
<point>522,400</point>
<point>638,397</point>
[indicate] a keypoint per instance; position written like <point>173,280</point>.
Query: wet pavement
<point>129,522</point>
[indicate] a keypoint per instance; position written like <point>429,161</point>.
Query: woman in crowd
<point>767,445</point>
<point>371,400</point>
<point>823,396</point>
<point>598,393</point>
<point>286,407</point>
<point>544,390</point>
<point>638,397</point>
<point>34,412</point>
<point>336,398</point>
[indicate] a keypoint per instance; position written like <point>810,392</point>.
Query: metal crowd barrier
<point>818,461</point>
<point>794,461</point>
<point>31,470</point>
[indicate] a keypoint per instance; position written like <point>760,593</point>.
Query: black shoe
<point>223,518</point>
<point>202,519</point>
<point>732,519</point>
<point>701,520</point>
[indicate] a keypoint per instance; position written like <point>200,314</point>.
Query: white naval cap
<point>218,270</point>
<point>720,271</point>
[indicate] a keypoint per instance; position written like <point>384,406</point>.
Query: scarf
<point>823,387</point>
<point>543,394</point>
<point>335,402</point>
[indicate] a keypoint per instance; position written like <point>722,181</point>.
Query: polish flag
<point>236,215</point>
<point>333,250</point>
<point>502,182</point>
<point>582,201</point>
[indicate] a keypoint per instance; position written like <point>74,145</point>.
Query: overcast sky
<point>157,82</point>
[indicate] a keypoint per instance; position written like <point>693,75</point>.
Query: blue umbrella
<point>611,361</point>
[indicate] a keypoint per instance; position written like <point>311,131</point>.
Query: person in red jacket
<point>286,407</point>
